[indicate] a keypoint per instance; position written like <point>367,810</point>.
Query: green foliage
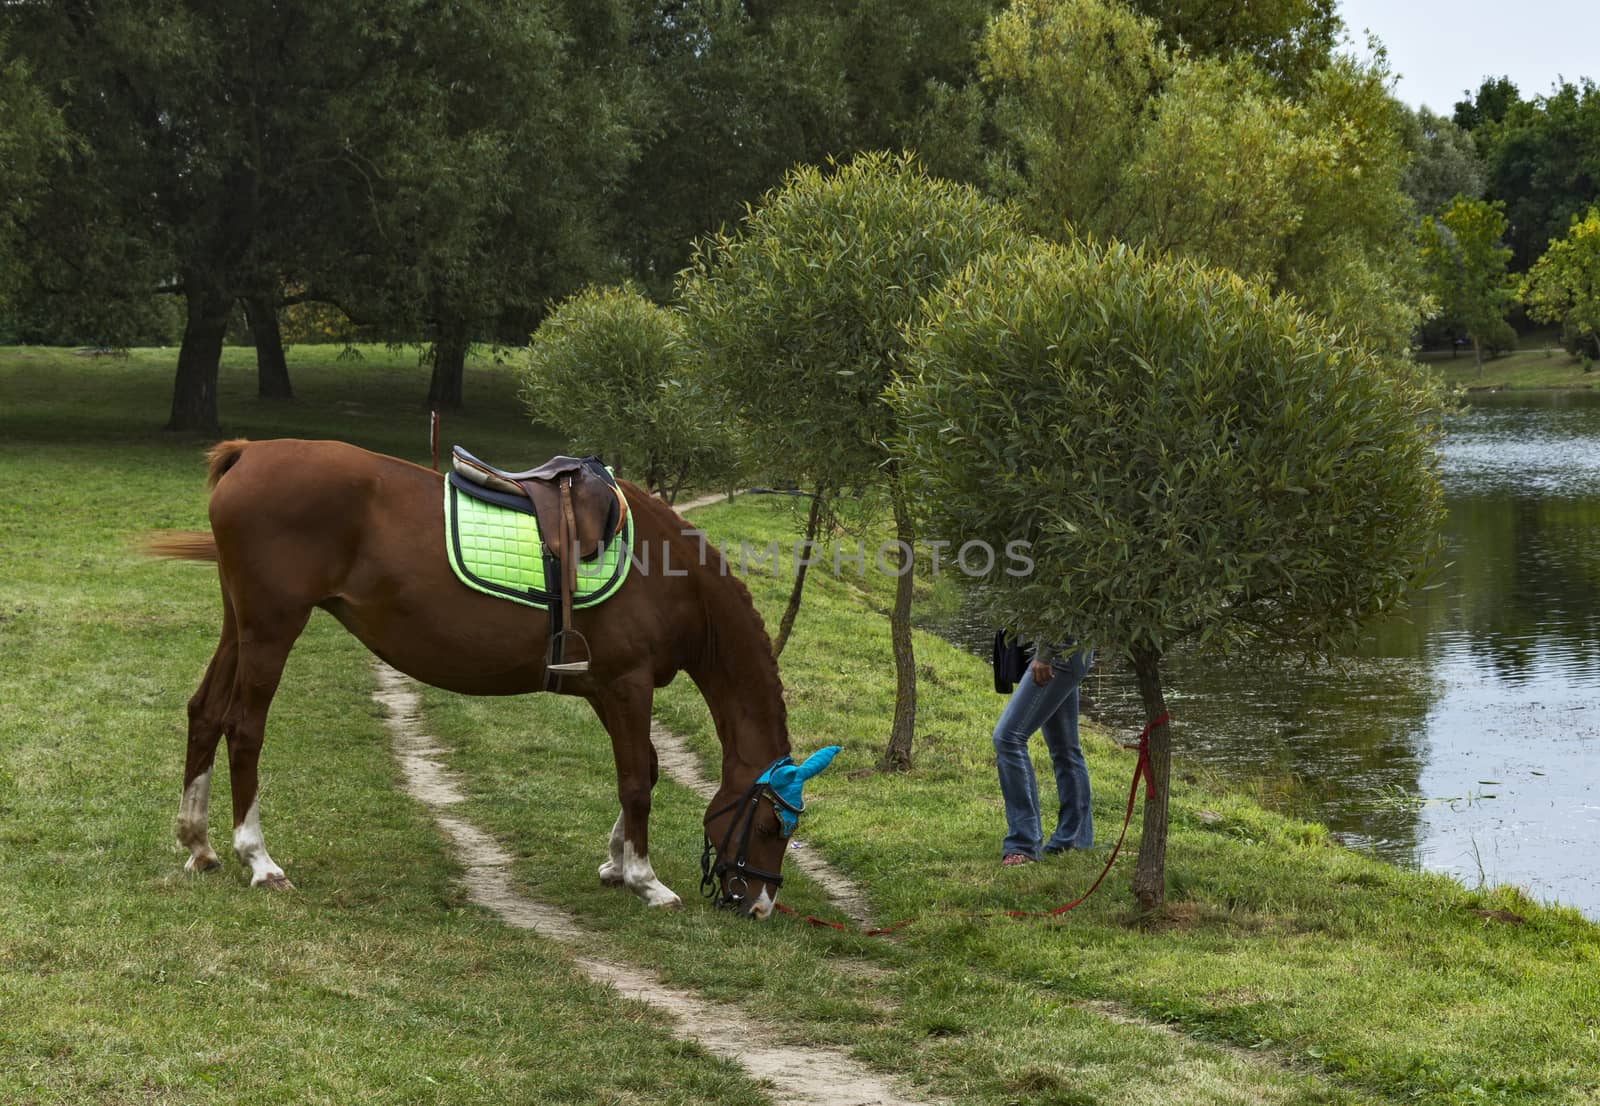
<point>1564,285</point>
<point>1189,455</point>
<point>1442,161</point>
<point>31,135</point>
<point>740,93</point>
<point>1105,133</point>
<point>613,373</point>
<point>801,312</point>
<point>1542,158</point>
<point>1490,104</point>
<point>1286,39</point>
<point>1071,81</point>
<point>1465,262</point>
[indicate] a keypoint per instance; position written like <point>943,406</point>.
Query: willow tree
<point>801,314</point>
<point>613,372</point>
<point>1190,458</point>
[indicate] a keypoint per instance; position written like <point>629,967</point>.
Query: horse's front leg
<point>624,710</point>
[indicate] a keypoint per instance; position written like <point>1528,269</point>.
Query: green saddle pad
<point>497,550</point>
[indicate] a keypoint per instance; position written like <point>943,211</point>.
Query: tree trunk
<point>194,390</point>
<point>793,608</point>
<point>1150,875</point>
<point>897,757</point>
<point>1477,353</point>
<point>272,371</point>
<point>449,366</point>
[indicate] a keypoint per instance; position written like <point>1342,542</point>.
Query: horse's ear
<point>817,761</point>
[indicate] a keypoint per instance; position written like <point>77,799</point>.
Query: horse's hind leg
<point>264,646</point>
<point>207,710</point>
<point>624,708</point>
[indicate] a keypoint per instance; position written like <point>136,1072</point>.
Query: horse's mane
<point>716,579</point>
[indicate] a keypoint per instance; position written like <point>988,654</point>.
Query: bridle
<point>713,867</point>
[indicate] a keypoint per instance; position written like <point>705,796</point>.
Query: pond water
<point>1467,739</point>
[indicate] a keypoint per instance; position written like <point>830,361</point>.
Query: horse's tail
<point>181,545</point>
<point>222,457</point>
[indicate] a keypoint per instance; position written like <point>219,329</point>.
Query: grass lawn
<point>1351,979</point>
<point>1286,969</point>
<point>124,981</point>
<point>1523,368</point>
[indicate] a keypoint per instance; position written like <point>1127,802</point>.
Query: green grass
<point>1524,368</point>
<point>121,979</point>
<point>1351,979</point>
<point>1286,970</point>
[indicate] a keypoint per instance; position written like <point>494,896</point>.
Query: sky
<point>1442,49</point>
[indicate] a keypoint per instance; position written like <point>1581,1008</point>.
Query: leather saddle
<point>579,509</point>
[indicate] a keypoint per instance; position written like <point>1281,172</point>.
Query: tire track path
<point>808,1075</point>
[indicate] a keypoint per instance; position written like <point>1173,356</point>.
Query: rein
<point>1140,769</point>
<point>711,872</point>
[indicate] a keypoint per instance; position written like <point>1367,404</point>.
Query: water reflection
<point>1464,739</point>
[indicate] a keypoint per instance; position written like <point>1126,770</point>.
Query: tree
<point>1466,265</point>
<point>515,206</point>
<point>1443,161</point>
<point>1542,159</point>
<point>427,167</point>
<point>737,94</point>
<point>1564,285</point>
<point>616,376</point>
<point>1102,132</point>
<point>212,146</point>
<point>1285,39</point>
<point>1489,105</point>
<point>1070,82</point>
<point>1189,457</point>
<point>800,314</point>
<point>31,136</point>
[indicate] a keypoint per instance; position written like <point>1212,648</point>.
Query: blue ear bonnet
<point>784,778</point>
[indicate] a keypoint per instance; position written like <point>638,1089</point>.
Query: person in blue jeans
<point>1046,698</point>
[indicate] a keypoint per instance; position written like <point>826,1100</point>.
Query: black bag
<point>1010,662</point>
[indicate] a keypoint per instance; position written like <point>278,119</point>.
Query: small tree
<point>1190,458</point>
<point>1466,267</point>
<point>1564,285</point>
<point>801,314</point>
<point>613,373</point>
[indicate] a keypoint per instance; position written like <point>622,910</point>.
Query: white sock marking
<point>640,877</point>
<point>252,849</point>
<point>192,813</point>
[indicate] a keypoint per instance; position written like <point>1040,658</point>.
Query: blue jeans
<point>1052,708</point>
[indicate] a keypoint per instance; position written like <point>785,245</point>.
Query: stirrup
<point>570,668</point>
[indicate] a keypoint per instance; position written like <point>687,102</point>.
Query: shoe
<point>1057,850</point>
<point>1011,860</point>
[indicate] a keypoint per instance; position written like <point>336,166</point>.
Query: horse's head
<point>743,870</point>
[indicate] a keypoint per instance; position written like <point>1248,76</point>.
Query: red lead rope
<point>1140,769</point>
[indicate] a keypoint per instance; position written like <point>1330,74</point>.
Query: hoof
<point>669,901</point>
<point>205,863</point>
<point>610,874</point>
<point>273,881</point>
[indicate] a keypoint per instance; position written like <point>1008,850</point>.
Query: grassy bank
<point>1286,970</point>
<point>1348,979</point>
<point>1526,368</point>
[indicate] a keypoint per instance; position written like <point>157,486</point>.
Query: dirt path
<point>681,765</point>
<point>804,1075</point>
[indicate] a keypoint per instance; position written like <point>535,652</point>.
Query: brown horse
<point>297,525</point>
